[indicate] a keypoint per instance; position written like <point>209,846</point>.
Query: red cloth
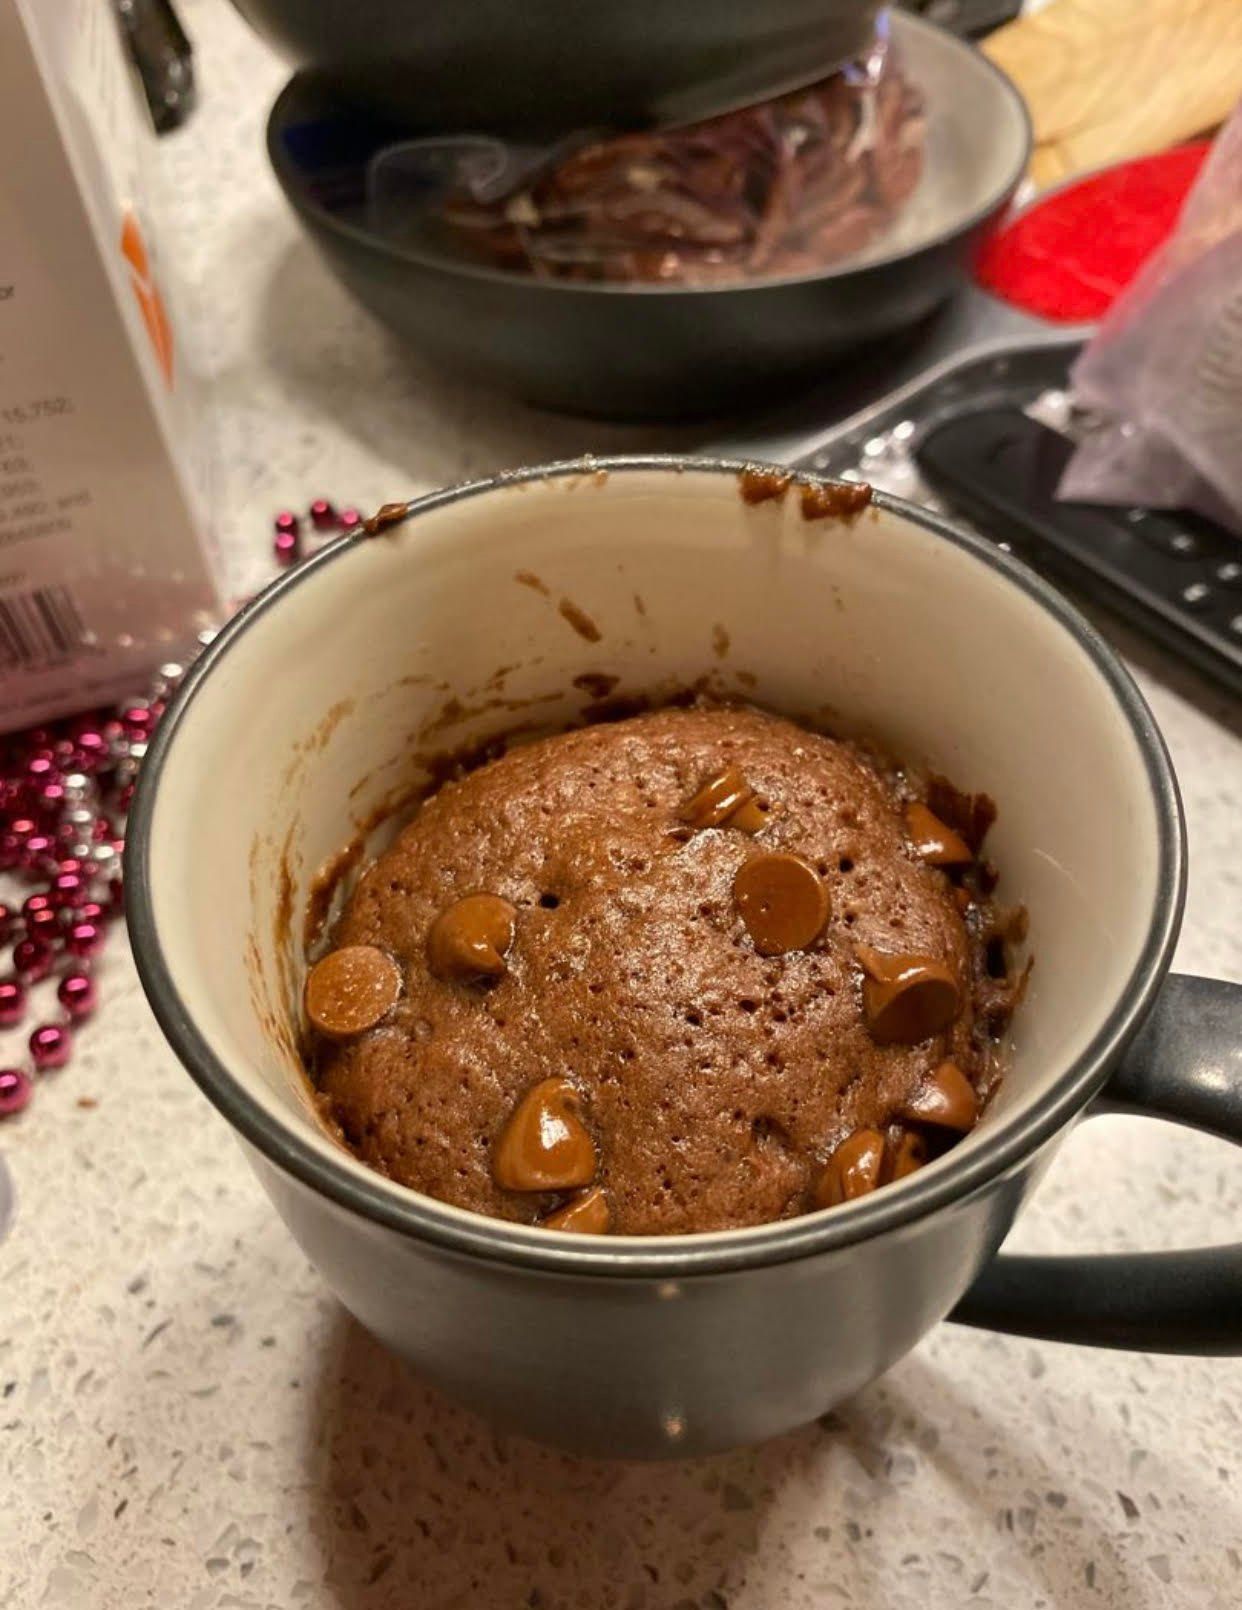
<point>1069,255</point>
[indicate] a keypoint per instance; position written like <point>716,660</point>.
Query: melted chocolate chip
<point>852,1170</point>
<point>905,1150</point>
<point>970,815</point>
<point>906,998</point>
<point>470,939</point>
<point>783,902</point>
<point>545,1145</point>
<point>750,817</point>
<point>725,798</point>
<point>351,989</point>
<point>934,841</point>
<point>945,1098</point>
<point>587,1213</point>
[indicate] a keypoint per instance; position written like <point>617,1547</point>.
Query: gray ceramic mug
<point>300,720</point>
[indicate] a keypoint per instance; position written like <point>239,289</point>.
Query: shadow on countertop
<point>417,1504</point>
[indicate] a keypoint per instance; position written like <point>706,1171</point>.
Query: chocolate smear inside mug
<point>788,186</point>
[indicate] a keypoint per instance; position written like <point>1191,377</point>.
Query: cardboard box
<point>106,562</point>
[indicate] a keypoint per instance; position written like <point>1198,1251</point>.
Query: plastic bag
<point>1164,372</point>
<point>788,186</point>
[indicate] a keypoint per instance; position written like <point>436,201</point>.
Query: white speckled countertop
<point>188,1419</point>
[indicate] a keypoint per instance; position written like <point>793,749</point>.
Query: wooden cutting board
<point>1111,79</point>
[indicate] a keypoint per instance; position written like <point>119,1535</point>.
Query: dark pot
<point>661,352</point>
<point>554,65</point>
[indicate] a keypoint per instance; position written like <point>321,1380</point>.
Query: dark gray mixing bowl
<point>647,351</point>
<point>554,65</point>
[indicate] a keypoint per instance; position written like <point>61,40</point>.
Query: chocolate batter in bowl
<point>787,186</point>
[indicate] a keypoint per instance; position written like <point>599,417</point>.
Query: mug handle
<point>1185,1064</point>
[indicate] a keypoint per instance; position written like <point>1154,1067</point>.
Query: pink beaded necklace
<point>65,793</point>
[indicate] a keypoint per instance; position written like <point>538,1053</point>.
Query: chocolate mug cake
<point>694,970</point>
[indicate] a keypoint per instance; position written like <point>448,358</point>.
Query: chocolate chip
<point>945,1098</point>
<point>904,1151</point>
<point>782,901</point>
<point>852,1170</point>
<point>470,939</point>
<point>970,815</point>
<point>545,1145</point>
<point>725,798</point>
<point>351,989</point>
<point>749,817</point>
<point>934,841</point>
<point>906,998</point>
<point>587,1213</point>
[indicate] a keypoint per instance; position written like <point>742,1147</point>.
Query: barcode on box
<point>39,628</point>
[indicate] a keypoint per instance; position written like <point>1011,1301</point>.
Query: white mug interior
<point>479,612</point>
